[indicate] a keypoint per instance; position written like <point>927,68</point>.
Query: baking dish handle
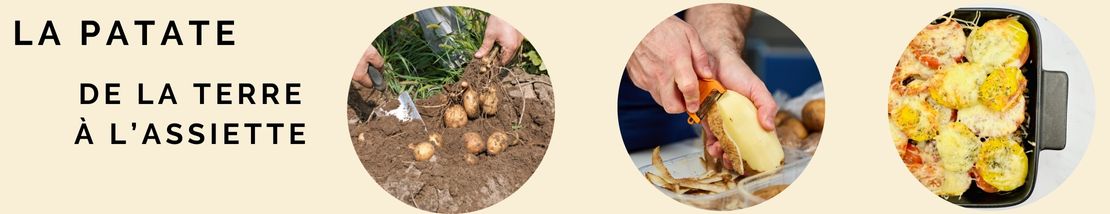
<point>1054,118</point>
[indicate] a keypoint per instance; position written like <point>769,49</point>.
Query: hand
<point>722,31</point>
<point>713,146</point>
<point>369,58</point>
<point>668,63</point>
<point>735,75</point>
<point>500,32</point>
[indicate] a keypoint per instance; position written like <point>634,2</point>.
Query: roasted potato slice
<point>999,42</point>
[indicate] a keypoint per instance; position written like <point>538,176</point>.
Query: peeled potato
<point>454,116</point>
<point>957,85</point>
<point>983,185</point>
<point>957,147</point>
<point>813,114</point>
<point>955,183</point>
<point>474,143</point>
<point>1002,163</point>
<point>914,117</point>
<point>999,42</point>
<point>1002,88</point>
<point>988,123</point>
<point>733,120</point>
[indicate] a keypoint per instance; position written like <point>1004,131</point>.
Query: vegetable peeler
<point>709,90</point>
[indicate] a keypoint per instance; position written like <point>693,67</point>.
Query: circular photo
<point>976,104</point>
<point>450,109</point>
<point>721,107</point>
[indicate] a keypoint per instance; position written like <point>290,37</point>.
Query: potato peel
<point>655,179</point>
<point>712,181</point>
<point>657,162</point>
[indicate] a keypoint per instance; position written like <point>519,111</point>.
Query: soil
<point>447,183</point>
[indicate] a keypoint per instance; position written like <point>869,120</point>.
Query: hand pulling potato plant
<point>411,64</point>
<point>499,106</point>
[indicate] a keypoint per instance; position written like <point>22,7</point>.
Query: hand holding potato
<point>735,75</point>
<point>721,30</point>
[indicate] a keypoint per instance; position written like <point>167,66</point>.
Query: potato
<point>436,139</point>
<point>813,115</point>
<point>1002,163</point>
<point>471,159</point>
<point>423,150</point>
<point>496,143</point>
<point>789,139</point>
<point>795,126</point>
<point>489,101</point>
<point>782,116</point>
<point>733,120</point>
<point>454,116</point>
<point>998,42</point>
<point>470,103</point>
<point>474,143</point>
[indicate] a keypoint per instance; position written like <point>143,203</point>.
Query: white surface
<point>1060,54</point>
<point>643,157</point>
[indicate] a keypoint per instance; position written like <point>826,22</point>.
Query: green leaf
<point>535,58</point>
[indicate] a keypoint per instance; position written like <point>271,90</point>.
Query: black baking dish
<point>1046,110</point>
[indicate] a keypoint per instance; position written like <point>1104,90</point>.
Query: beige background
<point>317,43</point>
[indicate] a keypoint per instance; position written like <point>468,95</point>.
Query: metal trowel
<point>406,112</point>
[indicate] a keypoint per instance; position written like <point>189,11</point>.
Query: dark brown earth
<point>447,183</point>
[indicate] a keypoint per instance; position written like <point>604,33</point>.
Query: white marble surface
<point>1060,54</point>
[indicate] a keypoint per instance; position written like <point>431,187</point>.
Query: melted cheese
<point>955,183</point>
<point>958,85</point>
<point>957,147</point>
<point>940,44</point>
<point>1002,163</point>
<point>1002,88</point>
<point>915,117</point>
<point>998,42</point>
<point>911,76</point>
<point>989,123</point>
